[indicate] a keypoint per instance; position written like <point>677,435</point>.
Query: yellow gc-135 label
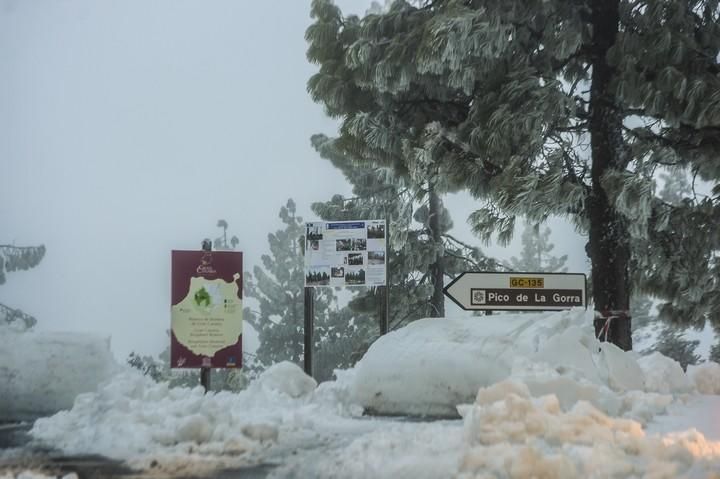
<point>520,282</point>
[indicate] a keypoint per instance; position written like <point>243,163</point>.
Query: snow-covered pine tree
<point>673,344</point>
<point>221,243</point>
<point>412,248</point>
<point>536,252</point>
<point>545,108</point>
<point>677,193</point>
<point>279,288</point>
<point>18,258</point>
<point>715,353</point>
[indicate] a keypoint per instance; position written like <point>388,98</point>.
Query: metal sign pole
<point>205,372</point>
<point>309,327</point>
<point>385,323</point>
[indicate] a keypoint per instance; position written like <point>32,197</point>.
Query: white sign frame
<point>518,291</point>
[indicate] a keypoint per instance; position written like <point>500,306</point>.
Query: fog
<point>128,128</point>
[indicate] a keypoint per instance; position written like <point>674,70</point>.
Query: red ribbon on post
<point>608,315</point>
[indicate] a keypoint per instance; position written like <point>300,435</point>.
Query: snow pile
<point>706,377</point>
<point>664,375</point>
<point>511,434</point>
<point>42,373</point>
<point>135,418</point>
<point>284,377</point>
<point>433,365</point>
<point>336,396</point>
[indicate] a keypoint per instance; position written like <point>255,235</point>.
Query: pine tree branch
<point>451,237</point>
<point>581,127</point>
<point>463,258</point>
<point>457,115</point>
<point>19,248</point>
<point>684,144</point>
<point>10,315</point>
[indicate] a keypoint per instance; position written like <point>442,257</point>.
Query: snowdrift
<point>433,365</point>
<point>180,429</point>
<point>42,373</point>
<point>509,433</point>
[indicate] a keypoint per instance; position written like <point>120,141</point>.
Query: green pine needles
<point>542,108</point>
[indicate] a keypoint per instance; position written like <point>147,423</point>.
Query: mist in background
<point>127,129</point>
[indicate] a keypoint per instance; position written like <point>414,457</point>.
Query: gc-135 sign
<point>518,291</point>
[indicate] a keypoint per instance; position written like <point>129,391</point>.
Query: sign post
<point>385,322</point>
<point>309,330</point>
<point>205,372</point>
<point>489,291</point>
<point>206,310</point>
<point>343,254</point>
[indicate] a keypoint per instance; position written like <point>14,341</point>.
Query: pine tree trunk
<point>437,269</point>
<point>608,247</point>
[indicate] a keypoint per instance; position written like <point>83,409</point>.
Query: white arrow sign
<point>518,291</point>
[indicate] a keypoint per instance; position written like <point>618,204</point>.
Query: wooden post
<point>205,372</point>
<point>205,378</point>
<point>309,329</point>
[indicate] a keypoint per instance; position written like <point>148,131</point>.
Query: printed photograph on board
<point>376,231</point>
<point>318,277</point>
<point>355,277</point>
<point>355,259</point>
<point>359,244</point>
<point>376,257</point>
<point>343,245</point>
<point>337,272</point>
<point>314,231</point>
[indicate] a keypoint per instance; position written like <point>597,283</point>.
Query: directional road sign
<point>518,291</point>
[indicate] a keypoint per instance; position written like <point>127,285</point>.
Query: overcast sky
<point>128,128</point>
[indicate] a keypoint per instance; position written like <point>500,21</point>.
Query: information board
<point>345,253</point>
<point>518,291</point>
<point>206,309</point>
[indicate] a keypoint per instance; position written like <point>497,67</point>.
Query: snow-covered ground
<point>537,396</point>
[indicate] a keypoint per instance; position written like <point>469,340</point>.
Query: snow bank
<point>705,377</point>
<point>511,434</point>
<point>433,365</point>
<point>288,378</point>
<point>135,418</point>
<point>42,373</point>
<point>664,375</point>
